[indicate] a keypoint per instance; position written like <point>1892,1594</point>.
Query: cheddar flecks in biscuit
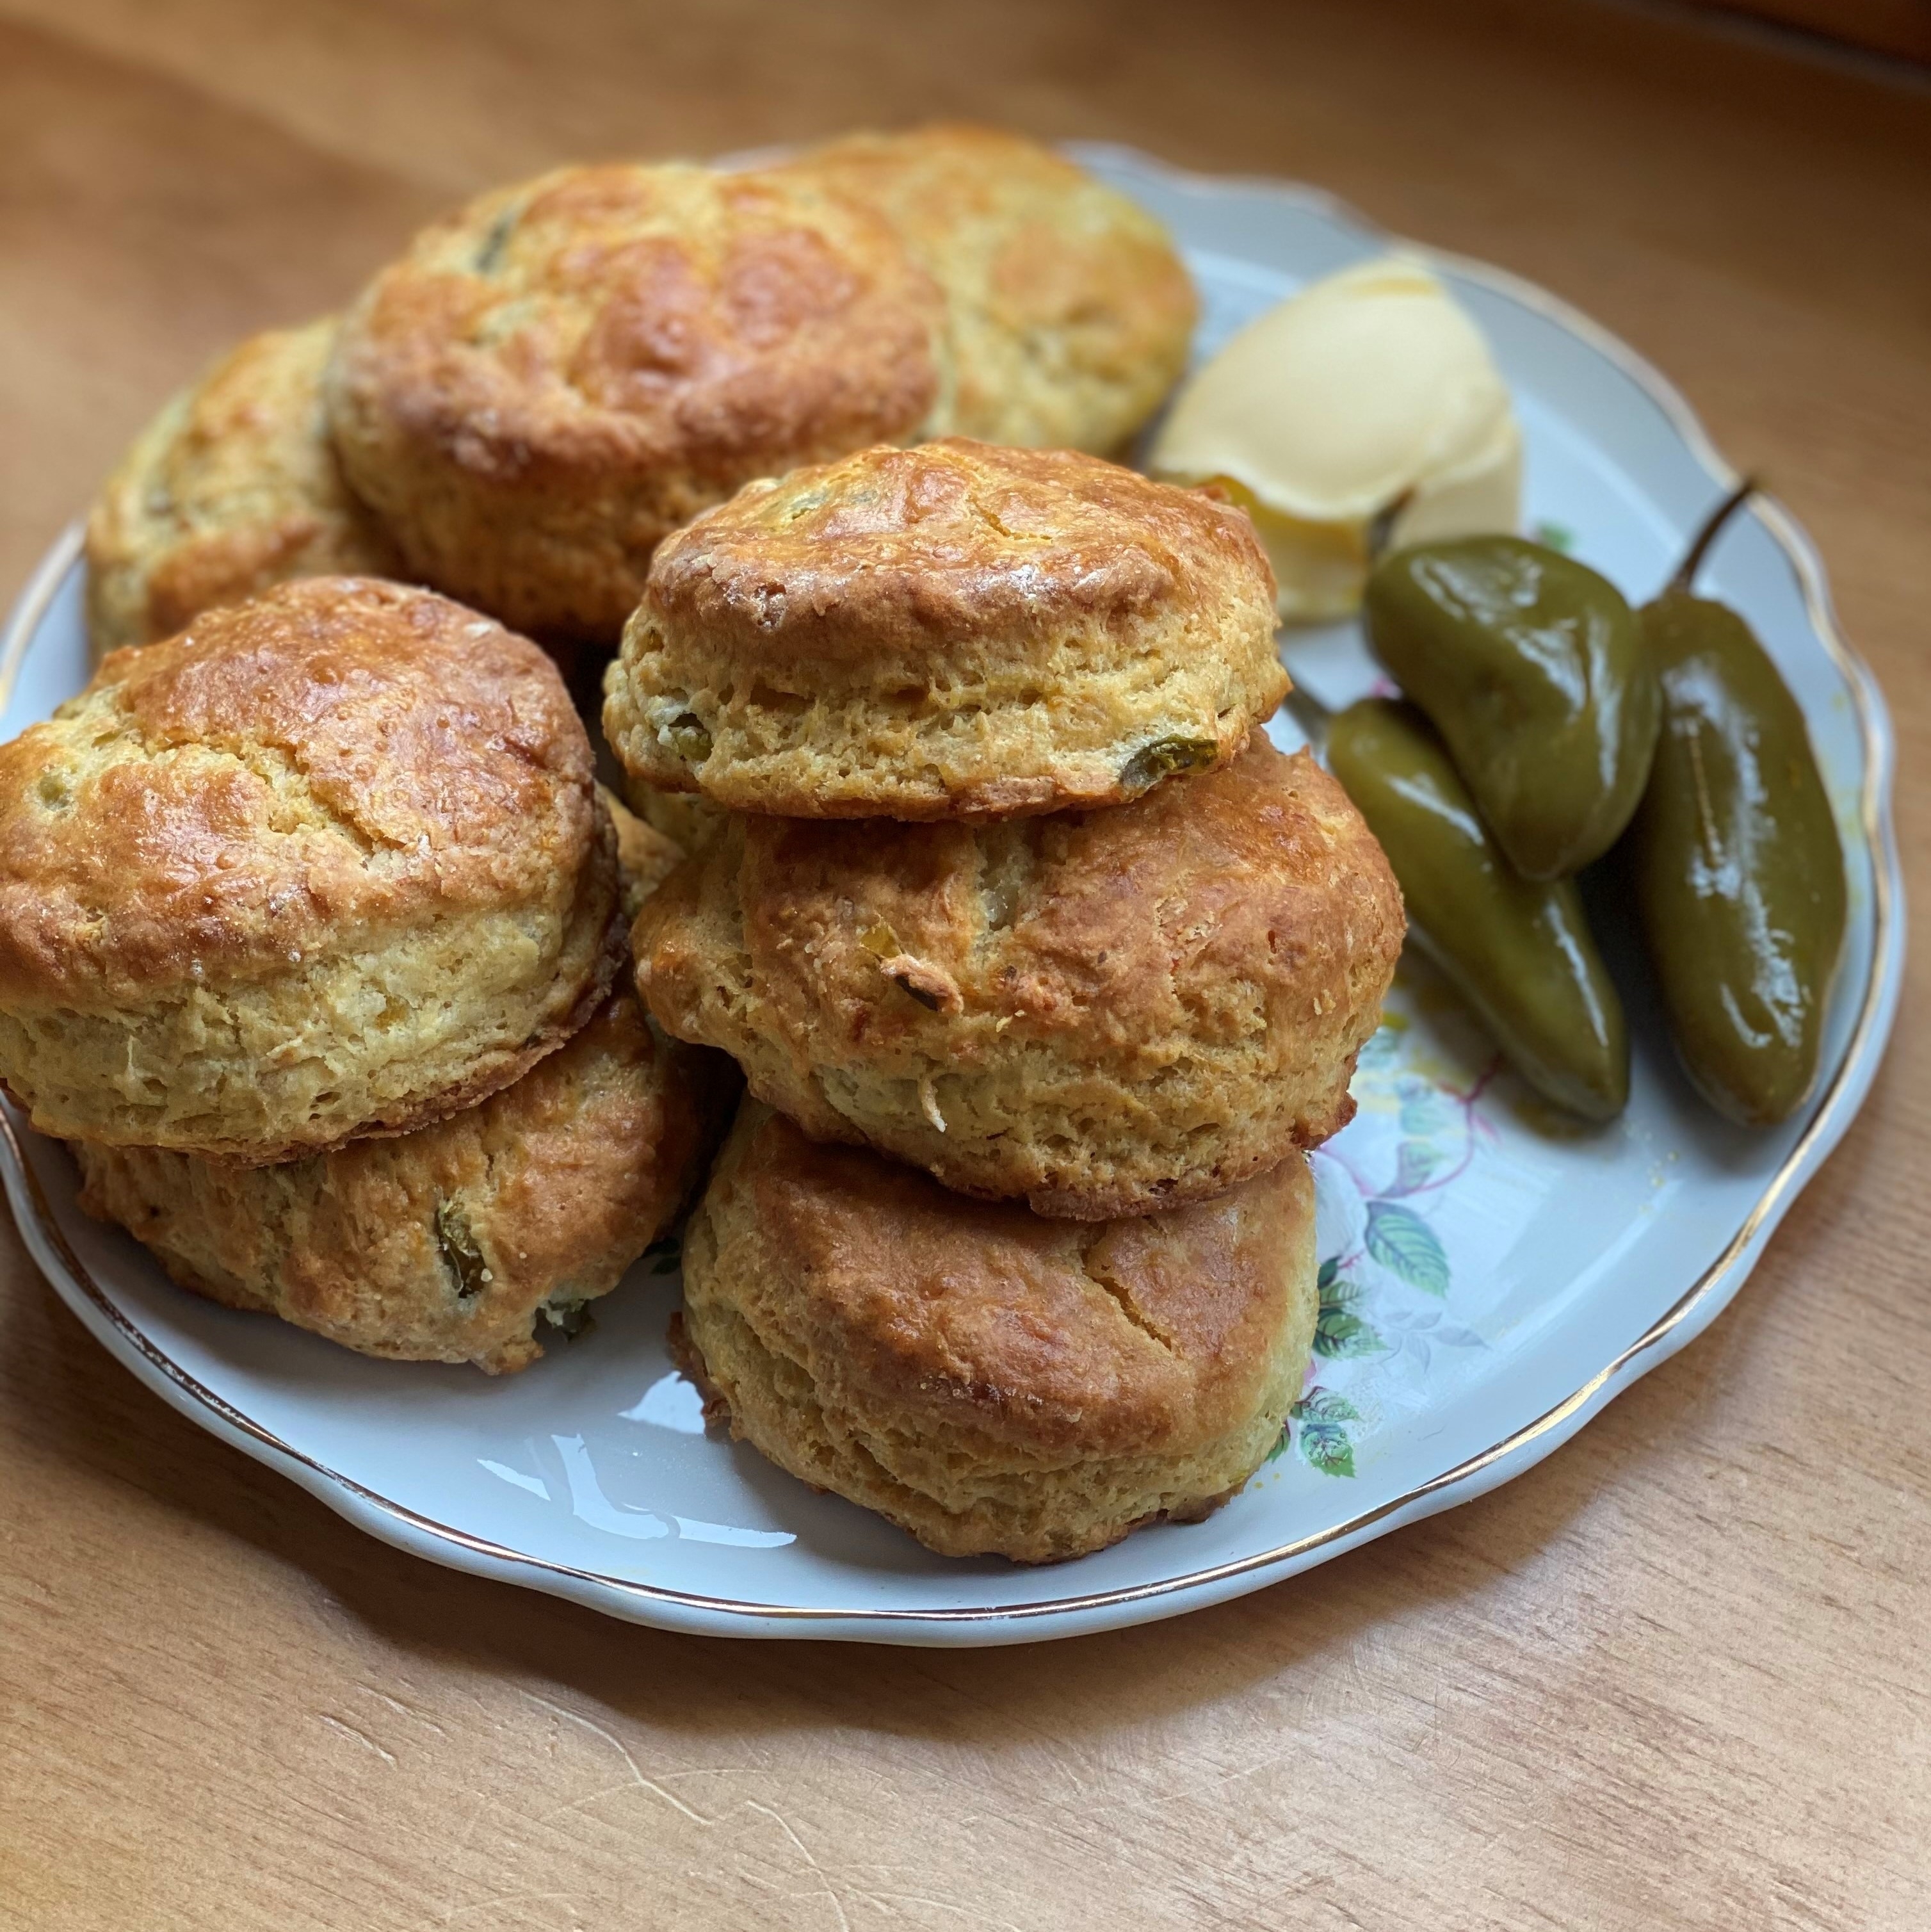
<point>232,488</point>
<point>561,373</point>
<point>954,631</point>
<point>994,1382</point>
<point>1101,1013</point>
<point>330,863</point>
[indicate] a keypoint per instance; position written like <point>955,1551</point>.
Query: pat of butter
<point>1369,396</point>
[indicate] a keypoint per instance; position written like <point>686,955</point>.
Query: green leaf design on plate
<point>1555,536</point>
<point>1416,1162</point>
<point>1320,1405</point>
<point>1339,1334</point>
<point>1325,1447</point>
<point>1404,1243</point>
<point>1338,1331</point>
<point>1324,1443</point>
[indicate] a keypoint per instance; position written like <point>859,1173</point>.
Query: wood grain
<point>1674,1677</point>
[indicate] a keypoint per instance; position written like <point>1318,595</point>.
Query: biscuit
<point>1069,312</point>
<point>949,631</point>
<point>330,863</point>
<point>992,1382</point>
<point>562,372</point>
<point>1103,1013</point>
<point>471,1240</point>
<point>684,817</point>
<point>647,856</point>
<point>232,488</point>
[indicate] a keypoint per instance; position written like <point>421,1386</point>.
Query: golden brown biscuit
<point>954,631</point>
<point>330,863</point>
<point>1104,1013</point>
<point>452,1243</point>
<point>1069,313</point>
<point>992,1382</point>
<point>232,488</point>
<point>562,372</point>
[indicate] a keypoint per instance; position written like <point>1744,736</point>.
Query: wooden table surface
<point>1674,1676</point>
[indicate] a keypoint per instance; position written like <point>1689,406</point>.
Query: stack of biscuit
<point>311,944</point>
<point>1043,967</point>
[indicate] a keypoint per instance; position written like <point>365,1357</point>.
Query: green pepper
<point>1518,950</point>
<point>1734,862</point>
<point>1531,667</point>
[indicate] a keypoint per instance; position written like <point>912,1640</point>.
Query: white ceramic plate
<point>1490,1279</point>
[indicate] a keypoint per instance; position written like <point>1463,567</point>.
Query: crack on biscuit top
<point>1094,1265</point>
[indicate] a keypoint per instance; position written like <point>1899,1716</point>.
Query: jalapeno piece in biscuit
<point>1518,950</point>
<point>1531,667</point>
<point>1735,860</point>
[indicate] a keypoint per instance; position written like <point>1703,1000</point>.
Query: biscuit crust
<point>467,1241</point>
<point>1069,310</point>
<point>954,631</point>
<point>561,373</point>
<point>233,487</point>
<point>992,1382</point>
<point>330,863</point>
<point>1102,1014</point>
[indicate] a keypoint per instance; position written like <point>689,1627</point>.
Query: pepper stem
<point>1713,528</point>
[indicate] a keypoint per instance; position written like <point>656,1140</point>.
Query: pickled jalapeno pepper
<point>1518,950</point>
<point>1531,667</point>
<point>1734,862</point>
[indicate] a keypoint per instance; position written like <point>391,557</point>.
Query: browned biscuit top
<point>1107,1339</point>
<point>563,370</point>
<point>232,488</point>
<point>338,759</point>
<point>1070,310</point>
<point>601,313</point>
<point>953,541</point>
